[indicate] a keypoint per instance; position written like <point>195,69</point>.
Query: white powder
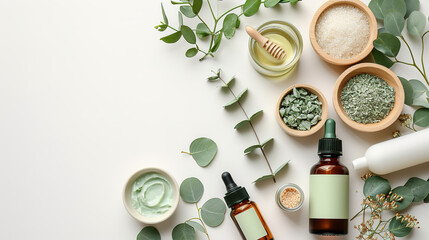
<point>342,31</point>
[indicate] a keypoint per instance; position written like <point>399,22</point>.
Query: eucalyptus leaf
<point>294,2</point>
<point>177,3</point>
<point>242,124</point>
<point>202,31</point>
<point>187,11</point>
<point>412,5</point>
<point>375,6</point>
<point>408,90</point>
<point>387,44</point>
<point>196,226</point>
<point>149,233</point>
<point>281,168</point>
<point>229,25</point>
<point>393,5</point>
<point>265,177</point>
<point>399,228</point>
<point>191,190</point>
<point>203,150</point>
<point>256,114</point>
<point>188,34</point>
<point>163,15</point>
<point>237,24</point>
<point>421,101</point>
<point>394,22</point>
<point>230,83</point>
<point>421,117</point>
<point>183,231</point>
<point>418,186</point>
<point>180,16</point>
<point>250,7</point>
<point>407,195</point>
<point>381,59</point>
<point>196,6</point>
<point>191,52</point>
<point>213,78</point>
<point>161,27</point>
<point>235,100</point>
<point>251,149</point>
<point>271,3</point>
<point>381,30</point>
<point>418,88</point>
<point>172,38</point>
<point>217,40</point>
<point>267,141</point>
<point>213,212</point>
<point>416,23</point>
<point>376,185</point>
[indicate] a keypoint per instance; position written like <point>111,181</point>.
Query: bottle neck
<point>247,201</point>
<point>329,158</point>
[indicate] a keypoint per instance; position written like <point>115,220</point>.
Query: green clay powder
<point>367,98</point>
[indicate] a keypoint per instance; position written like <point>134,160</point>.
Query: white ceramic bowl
<point>126,196</point>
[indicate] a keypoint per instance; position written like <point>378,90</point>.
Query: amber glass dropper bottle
<point>329,187</point>
<point>245,213</point>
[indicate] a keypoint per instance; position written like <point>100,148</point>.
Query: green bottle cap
<point>330,129</point>
<point>330,144</point>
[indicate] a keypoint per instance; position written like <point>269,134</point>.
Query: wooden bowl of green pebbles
<point>368,97</point>
<point>301,110</point>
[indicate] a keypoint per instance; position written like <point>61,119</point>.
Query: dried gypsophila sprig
<point>405,120</point>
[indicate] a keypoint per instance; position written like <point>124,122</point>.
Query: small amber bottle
<point>245,213</point>
<point>329,187</point>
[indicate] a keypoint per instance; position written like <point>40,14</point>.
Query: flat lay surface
<point>89,95</point>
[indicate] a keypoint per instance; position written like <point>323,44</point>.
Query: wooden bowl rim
<point>315,128</point>
<point>372,27</point>
<point>392,80</point>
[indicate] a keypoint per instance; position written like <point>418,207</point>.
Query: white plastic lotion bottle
<point>396,154</point>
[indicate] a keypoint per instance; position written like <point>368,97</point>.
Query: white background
<point>89,95</point>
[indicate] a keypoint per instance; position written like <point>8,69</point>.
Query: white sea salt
<point>343,31</point>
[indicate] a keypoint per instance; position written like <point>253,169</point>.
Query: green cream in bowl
<point>151,195</point>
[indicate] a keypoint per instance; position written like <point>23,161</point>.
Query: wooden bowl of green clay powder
<point>301,110</point>
<point>368,97</point>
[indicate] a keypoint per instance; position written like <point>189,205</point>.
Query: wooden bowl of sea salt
<point>342,31</point>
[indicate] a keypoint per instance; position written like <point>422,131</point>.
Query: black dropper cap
<point>330,144</point>
<point>235,194</point>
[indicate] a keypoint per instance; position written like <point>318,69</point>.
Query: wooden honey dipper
<point>273,49</point>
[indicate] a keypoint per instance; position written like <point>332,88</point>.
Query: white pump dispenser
<point>396,154</point>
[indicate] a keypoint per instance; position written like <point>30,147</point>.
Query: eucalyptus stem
<point>202,222</point>
<point>211,9</point>
<point>230,10</point>
<point>251,126</point>
<point>357,214</point>
<point>412,57</point>
<point>199,17</point>
<point>423,50</point>
<point>170,27</point>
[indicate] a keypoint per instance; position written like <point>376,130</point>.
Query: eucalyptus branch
<point>248,121</point>
<point>230,23</point>
<point>412,57</point>
<point>251,126</point>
